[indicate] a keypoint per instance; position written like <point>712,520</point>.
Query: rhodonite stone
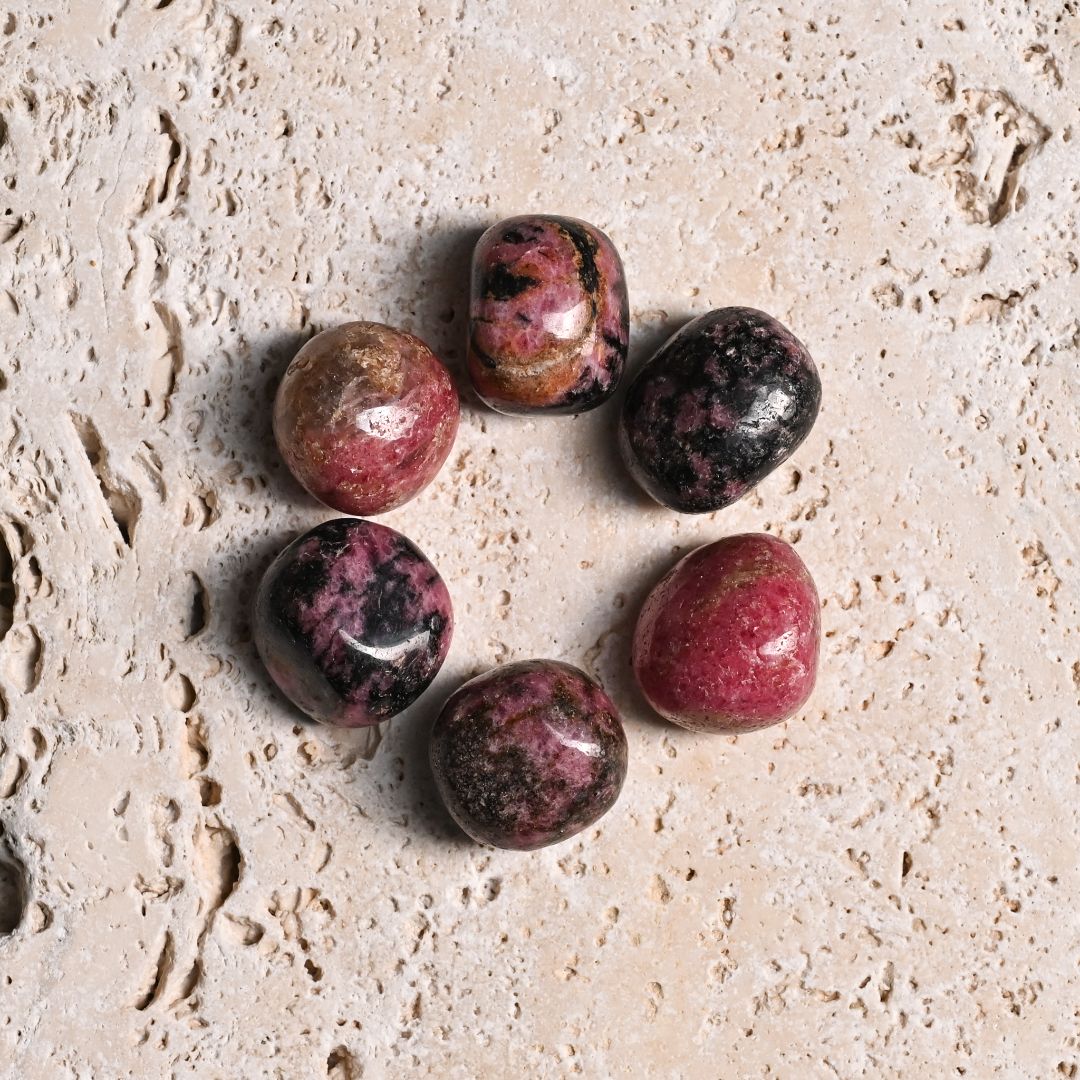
<point>352,622</point>
<point>365,416</point>
<point>549,319</point>
<point>528,754</point>
<point>723,402</point>
<point>728,640</point>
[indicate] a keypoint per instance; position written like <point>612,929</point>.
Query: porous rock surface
<point>196,882</point>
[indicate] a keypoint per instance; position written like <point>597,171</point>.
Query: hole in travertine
<point>905,864</point>
<point>176,149</point>
<point>188,983</point>
<point>12,889</point>
<point>25,658</point>
<point>199,612</point>
<point>201,510</point>
<point>341,1065</point>
<point>180,692</point>
<point>7,587</point>
<point>39,743</point>
<point>12,771</point>
<point>244,930</point>
<point>217,864</point>
<point>315,973</point>
<point>120,498</point>
<point>33,570</point>
<point>163,372</point>
<point>39,917</point>
<point>158,975</point>
<point>195,751</point>
<point>209,791</point>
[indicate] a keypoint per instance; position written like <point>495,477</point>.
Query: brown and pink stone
<point>365,416</point>
<point>352,622</point>
<point>528,754</point>
<point>549,318</point>
<point>728,640</point>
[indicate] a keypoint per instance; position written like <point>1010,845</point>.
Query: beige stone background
<point>195,882</point>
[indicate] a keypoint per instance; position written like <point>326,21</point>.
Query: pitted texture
<point>194,881</point>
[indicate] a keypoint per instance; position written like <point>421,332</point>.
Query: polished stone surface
<point>549,317</point>
<point>528,754</point>
<point>728,640</point>
<point>720,405</point>
<point>365,417</point>
<point>352,622</point>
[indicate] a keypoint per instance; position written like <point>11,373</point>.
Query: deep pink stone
<point>549,318</point>
<point>365,417</point>
<point>728,639</point>
<point>352,622</point>
<point>528,754</point>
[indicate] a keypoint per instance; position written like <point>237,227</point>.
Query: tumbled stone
<point>728,640</point>
<point>720,405</point>
<point>365,417</point>
<point>549,317</point>
<point>528,754</point>
<point>352,622</point>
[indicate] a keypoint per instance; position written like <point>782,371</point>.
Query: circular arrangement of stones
<point>353,622</point>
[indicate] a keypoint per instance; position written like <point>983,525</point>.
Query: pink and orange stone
<point>549,319</point>
<point>365,416</point>
<point>728,640</point>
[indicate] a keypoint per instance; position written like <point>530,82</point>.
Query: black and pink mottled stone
<point>365,417</point>
<point>528,754</point>
<point>352,622</point>
<point>728,640</point>
<point>549,320</point>
<point>720,405</point>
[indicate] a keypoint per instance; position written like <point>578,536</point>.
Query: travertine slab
<point>195,882</point>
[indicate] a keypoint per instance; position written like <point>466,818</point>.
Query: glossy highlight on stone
<point>721,404</point>
<point>352,622</point>
<point>728,640</point>
<point>528,754</point>
<point>549,321</point>
<point>365,416</point>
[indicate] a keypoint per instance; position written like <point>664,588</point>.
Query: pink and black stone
<point>549,320</point>
<point>528,754</point>
<point>365,416</point>
<point>720,405</point>
<point>352,622</point>
<point>728,640</point>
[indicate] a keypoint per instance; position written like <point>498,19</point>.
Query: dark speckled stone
<point>352,622</point>
<point>528,754</point>
<point>723,402</point>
